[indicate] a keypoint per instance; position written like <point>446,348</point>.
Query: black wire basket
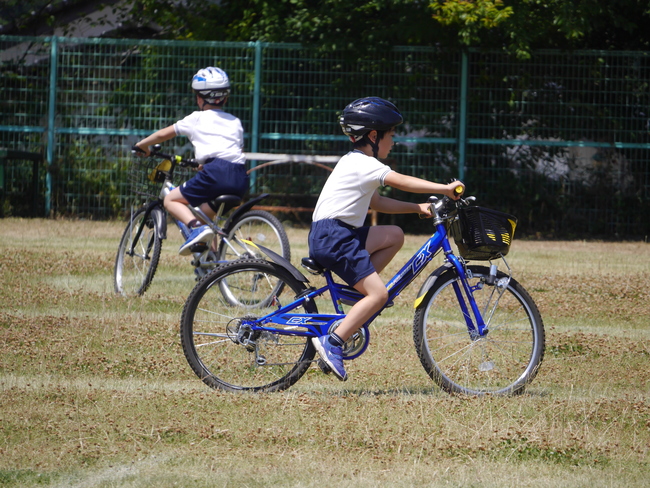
<point>143,185</point>
<point>482,234</point>
<point>147,175</point>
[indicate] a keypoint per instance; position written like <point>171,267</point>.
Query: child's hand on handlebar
<point>455,190</point>
<point>425,211</point>
<point>144,152</point>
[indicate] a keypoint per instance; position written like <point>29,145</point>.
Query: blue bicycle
<point>248,325</point>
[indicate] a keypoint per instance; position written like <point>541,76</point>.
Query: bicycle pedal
<point>199,247</point>
<point>323,366</point>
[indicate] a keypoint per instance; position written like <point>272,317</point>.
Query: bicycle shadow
<point>436,392</point>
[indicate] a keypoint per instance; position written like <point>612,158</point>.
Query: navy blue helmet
<point>366,114</point>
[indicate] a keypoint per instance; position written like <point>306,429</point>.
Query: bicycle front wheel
<point>137,255</point>
<point>501,362</point>
<point>227,354</point>
<point>260,227</point>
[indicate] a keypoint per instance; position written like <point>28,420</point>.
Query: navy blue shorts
<point>341,248</point>
<point>218,177</point>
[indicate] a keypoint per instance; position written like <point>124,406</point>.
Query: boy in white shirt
<point>218,140</point>
<point>337,238</point>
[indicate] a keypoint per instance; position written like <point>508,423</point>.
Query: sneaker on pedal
<point>331,355</point>
<point>199,235</point>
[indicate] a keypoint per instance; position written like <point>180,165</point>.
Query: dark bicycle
<point>139,250</point>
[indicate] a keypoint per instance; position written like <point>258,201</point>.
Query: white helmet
<point>211,84</point>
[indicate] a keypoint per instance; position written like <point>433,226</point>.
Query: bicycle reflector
<point>159,172</point>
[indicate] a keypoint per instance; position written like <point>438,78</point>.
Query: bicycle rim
<point>225,354</point>
<point>260,227</point>
<point>503,361</point>
<point>134,271</point>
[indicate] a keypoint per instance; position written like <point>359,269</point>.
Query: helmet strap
<point>365,140</point>
<point>375,148</point>
<point>375,144</point>
<point>204,102</point>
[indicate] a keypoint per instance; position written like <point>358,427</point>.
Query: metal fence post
<point>257,95</point>
<point>51,121</point>
<point>462,116</point>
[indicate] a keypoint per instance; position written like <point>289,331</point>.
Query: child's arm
<point>156,138</point>
<point>391,206</point>
<point>413,185</point>
<point>418,185</point>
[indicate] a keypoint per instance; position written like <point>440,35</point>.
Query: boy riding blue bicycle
<point>338,239</point>
<point>218,140</point>
<point>254,324</point>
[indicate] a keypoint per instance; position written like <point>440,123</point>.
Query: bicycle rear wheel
<point>137,255</point>
<point>501,362</point>
<point>260,227</point>
<point>226,354</point>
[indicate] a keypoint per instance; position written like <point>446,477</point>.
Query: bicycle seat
<point>312,266</point>
<point>223,203</point>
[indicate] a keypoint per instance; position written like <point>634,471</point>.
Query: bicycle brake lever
<point>469,200</point>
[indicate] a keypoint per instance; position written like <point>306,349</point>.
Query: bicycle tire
<point>258,226</point>
<point>227,356</point>
<point>133,273</point>
<point>502,362</point>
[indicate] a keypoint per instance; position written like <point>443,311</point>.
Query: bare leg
<point>376,295</point>
<point>383,243</point>
<point>176,205</point>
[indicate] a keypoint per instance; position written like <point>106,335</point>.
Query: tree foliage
<point>327,24</point>
<point>15,15</point>
<point>525,25</point>
<point>471,18</point>
<point>518,26</point>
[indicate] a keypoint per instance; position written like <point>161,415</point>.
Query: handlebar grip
<point>458,190</point>
<point>192,163</point>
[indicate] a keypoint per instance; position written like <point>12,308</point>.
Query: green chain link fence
<point>562,140</point>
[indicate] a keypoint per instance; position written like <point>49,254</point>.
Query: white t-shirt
<point>214,134</point>
<point>348,190</point>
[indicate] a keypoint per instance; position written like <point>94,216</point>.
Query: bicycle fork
<point>479,326</point>
<point>158,223</point>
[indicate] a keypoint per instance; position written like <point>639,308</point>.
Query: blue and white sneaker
<point>331,355</point>
<point>198,235</point>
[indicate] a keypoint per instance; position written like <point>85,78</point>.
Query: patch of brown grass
<point>96,390</point>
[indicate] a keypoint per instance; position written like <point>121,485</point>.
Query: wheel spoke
<point>137,255</point>
<point>220,346</point>
<point>502,361</point>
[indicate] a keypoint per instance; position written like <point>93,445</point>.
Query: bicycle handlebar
<point>156,153</point>
<point>445,206</point>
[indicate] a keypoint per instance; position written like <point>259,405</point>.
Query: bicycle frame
<point>157,210</point>
<point>231,223</point>
<point>283,322</point>
<point>224,231</point>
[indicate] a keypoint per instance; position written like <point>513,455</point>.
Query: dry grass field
<point>95,390</point>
